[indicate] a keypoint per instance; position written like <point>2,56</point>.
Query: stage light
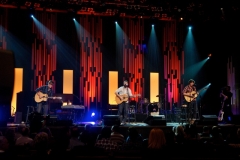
<point>115,22</point>
<point>74,19</point>
<point>152,25</point>
<point>93,114</point>
<point>209,84</point>
<point>189,28</point>
<point>32,16</point>
<point>181,18</point>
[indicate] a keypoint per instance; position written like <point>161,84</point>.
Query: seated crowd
<point>182,142</point>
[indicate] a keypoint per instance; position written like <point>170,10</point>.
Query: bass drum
<point>153,107</point>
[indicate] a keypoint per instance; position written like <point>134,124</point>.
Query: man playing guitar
<point>226,99</point>
<point>124,105</point>
<point>45,89</point>
<point>190,94</point>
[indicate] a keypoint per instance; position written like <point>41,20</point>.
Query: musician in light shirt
<point>123,107</point>
<point>192,105</point>
<point>45,89</point>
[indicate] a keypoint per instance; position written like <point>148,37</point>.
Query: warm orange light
<point>18,83</point>
<point>67,81</point>
<point>210,55</point>
<point>113,85</point>
<point>154,87</point>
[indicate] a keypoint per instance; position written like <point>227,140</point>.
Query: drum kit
<point>144,106</point>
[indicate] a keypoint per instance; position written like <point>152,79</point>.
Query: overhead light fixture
<point>28,4</point>
<point>83,9</point>
<point>122,14</point>
<point>90,9</point>
<point>36,5</point>
<point>164,15</point>
<point>157,15</point>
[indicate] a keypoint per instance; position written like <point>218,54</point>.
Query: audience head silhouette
<point>156,139</point>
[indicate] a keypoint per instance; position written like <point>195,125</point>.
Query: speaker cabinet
<point>52,120</point>
<point>18,117</point>
<point>209,120</point>
<point>140,117</point>
<point>7,66</point>
<point>110,120</point>
<point>155,121</point>
<point>63,122</point>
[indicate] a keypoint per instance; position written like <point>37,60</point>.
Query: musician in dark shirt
<point>190,93</point>
<point>45,89</point>
<point>226,99</point>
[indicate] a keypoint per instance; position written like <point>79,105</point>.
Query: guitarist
<point>192,105</point>
<point>226,97</point>
<point>45,89</point>
<point>123,107</point>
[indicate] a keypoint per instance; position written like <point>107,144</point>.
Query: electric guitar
<point>44,97</point>
<point>193,95</point>
<point>124,98</point>
<point>221,113</point>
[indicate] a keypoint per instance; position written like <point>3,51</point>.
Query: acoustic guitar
<point>193,95</point>
<point>44,97</point>
<point>124,98</point>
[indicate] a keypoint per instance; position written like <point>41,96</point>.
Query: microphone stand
<point>77,98</point>
<point>200,106</point>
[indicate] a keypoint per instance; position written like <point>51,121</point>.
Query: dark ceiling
<point>200,10</point>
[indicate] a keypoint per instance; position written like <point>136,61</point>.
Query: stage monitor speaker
<point>18,118</point>
<point>155,121</point>
<point>140,117</point>
<point>64,123</point>
<point>110,120</point>
<point>51,121</point>
<point>3,124</point>
<point>209,120</point>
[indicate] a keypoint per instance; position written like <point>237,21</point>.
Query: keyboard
<point>73,107</point>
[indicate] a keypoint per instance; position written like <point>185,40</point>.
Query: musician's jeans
<point>44,107</point>
<point>192,110</point>
<point>123,111</point>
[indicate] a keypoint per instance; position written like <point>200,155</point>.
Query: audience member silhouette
<point>87,136</point>
<point>74,138</point>
<point>103,140</point>
<point>134,140</point>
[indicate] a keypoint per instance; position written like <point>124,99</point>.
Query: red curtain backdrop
<point>173,64</point>
<point>90,39</point>
<point>133,54</point>
<point>44,49</point>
